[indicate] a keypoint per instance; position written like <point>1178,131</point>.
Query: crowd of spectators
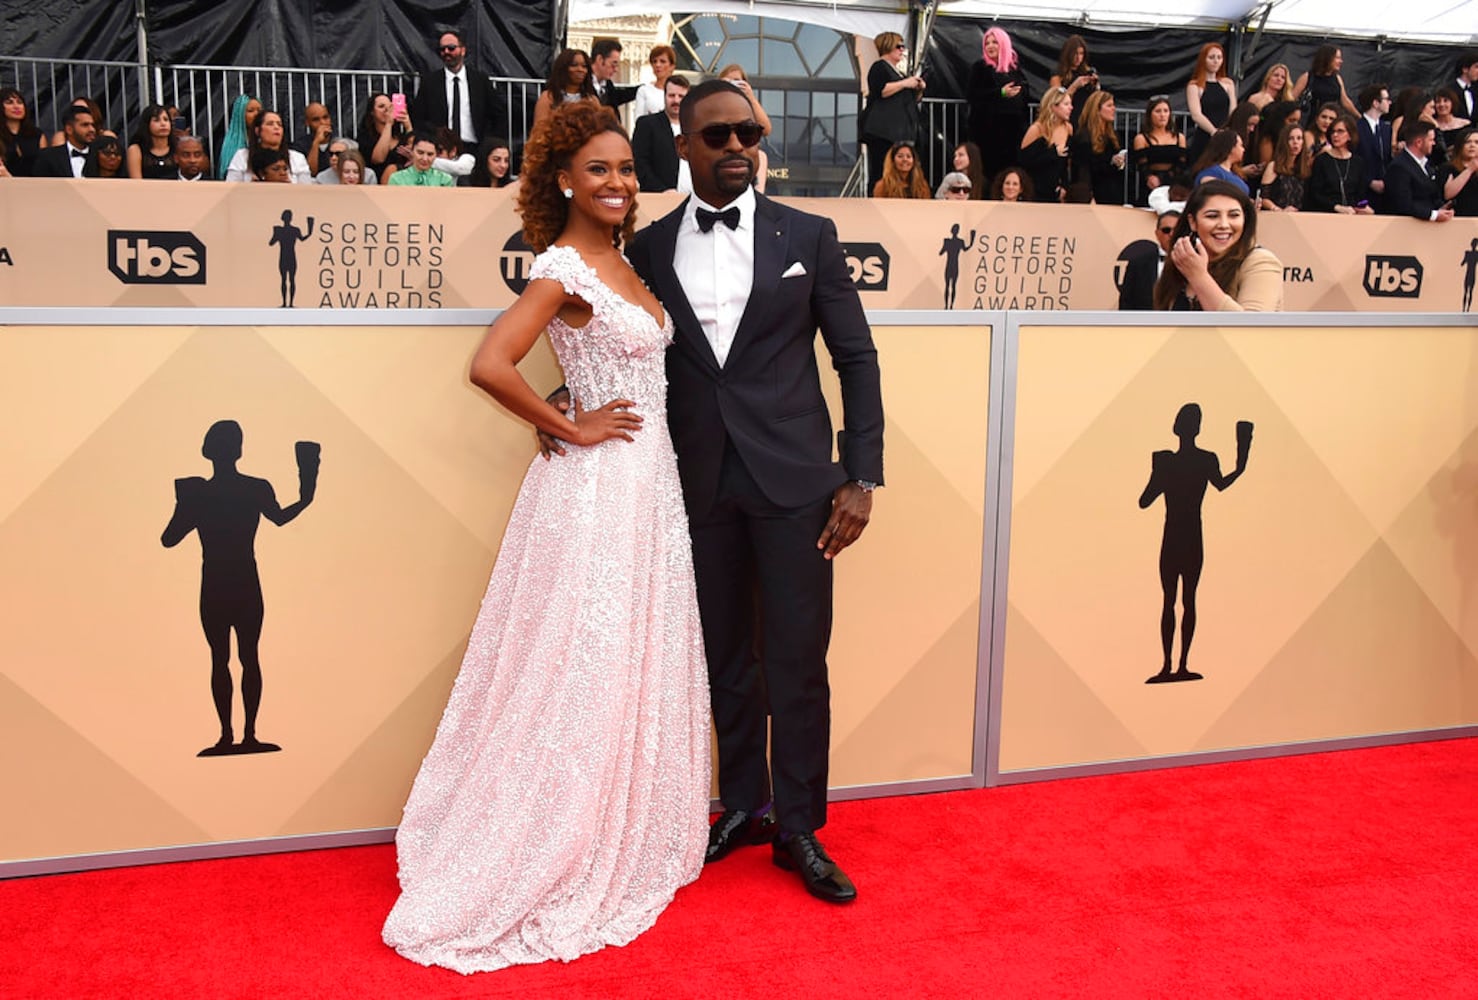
<point>1305,143</point>
<point>1292,144</point>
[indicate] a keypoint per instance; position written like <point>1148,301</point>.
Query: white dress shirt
<point>684,172</point>
<point>77,162</point>
<point>716,270</point>
<point>464,123</point>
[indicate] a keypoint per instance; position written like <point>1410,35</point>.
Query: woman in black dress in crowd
<point>1044,148</point>
<point>1097,156</point>
<point>1459,176</point>
<point>382,133</point>
<point>20,139</point>
<point>999,101</point>
<point>104,159</point>
<point>1445,105</point>
<point>1287,172</point>
<point>1322,80</point>
<point>494,164</point>
<point>1337,180</point>
<point>1075,75</point>
<point>966,159</point>
<point>151,149</point>
<point>892,113</point>
<point>1159,148</point>
<point>1209,96</point>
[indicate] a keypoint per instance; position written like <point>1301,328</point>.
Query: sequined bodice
<point>620,353</point>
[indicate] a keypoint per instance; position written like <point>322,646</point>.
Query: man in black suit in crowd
<point>191,159</point>
<point>1410,187</point>
<point>1137,291</point>
<point>456,96</point>
<point>748,283</point>
<point>1467,85</point>
<point>605,62</point>
<point>1373,138</point>
<point>654,141</point>
<point>68,158</point>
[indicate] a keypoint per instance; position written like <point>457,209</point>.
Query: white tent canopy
<point>1452,22</point>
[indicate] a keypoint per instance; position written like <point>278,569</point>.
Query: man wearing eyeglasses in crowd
<point>458,97</point>
<point>1137,290</point>
<point>748,283</point>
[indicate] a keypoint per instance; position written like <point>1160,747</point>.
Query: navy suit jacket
<point>655,151</point>
<point>1374,148</point>
<point>767,398</point>
<point>1409,190</point>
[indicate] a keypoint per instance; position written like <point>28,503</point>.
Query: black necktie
<point>729,217</point>
<point>456,123</point>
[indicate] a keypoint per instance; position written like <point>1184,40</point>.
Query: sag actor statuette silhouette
<point>225,510</point>
<point>1182,476</point>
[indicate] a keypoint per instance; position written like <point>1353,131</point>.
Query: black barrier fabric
<point>504,37</point>
<point>1135,64</point>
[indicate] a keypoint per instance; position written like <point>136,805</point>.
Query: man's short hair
<point>73,110</point>
<point>455,33</point>
<point>1413,129</point>
<point>1466,59</point>
<point>701,93</point>
<point>182,140</point>
<point>1165,215</point>
<point>676,80</point>
<point>602,47</point>
<point>1370,93</point>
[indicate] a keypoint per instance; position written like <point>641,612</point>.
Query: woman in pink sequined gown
<point>565,797</point>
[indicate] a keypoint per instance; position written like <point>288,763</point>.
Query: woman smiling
<point>1215,262</point>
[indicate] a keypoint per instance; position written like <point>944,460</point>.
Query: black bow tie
<point>80,152</point>
<point>729,217</point>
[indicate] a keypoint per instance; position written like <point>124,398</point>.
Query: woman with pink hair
<point>1000,103</point>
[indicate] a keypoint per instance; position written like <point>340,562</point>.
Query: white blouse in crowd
<point>649,100</point>
<point>297,166</point>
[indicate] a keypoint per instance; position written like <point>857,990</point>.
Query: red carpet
<point>1351,874</point>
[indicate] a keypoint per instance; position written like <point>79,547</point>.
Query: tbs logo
<point>156,257</point>
<point>1393,277</point>
<point>868,264</point>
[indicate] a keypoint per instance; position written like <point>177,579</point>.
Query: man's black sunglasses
<point>717,136</point>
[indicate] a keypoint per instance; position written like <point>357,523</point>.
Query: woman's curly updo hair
<point>550,149</point>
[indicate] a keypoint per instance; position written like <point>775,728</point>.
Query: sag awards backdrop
<point>138,528</point>
<point>134,243</point>
<point>1268,517</point>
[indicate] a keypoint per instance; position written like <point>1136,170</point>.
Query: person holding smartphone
<point>382,133</point>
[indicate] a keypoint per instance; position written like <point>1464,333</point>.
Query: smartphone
<point>397,104</point>
<point>179,124</point>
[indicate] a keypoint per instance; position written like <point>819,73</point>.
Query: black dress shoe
<point>824,880</point>
<point>738,828</point>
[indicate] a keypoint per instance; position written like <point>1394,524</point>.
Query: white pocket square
<point>794,271</point>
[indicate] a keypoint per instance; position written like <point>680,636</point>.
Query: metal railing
<point>52,84</point>
<point>204,94</point>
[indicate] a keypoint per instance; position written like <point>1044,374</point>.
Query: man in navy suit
<point>654,140</point>
<point>1373,139</point>
<point>1410,187</point>
<point>748,283</point>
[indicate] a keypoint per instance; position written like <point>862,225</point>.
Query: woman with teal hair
<point>244,111</point>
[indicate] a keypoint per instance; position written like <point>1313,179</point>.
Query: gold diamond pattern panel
<point>105,686</point>
<point>1344,535</point>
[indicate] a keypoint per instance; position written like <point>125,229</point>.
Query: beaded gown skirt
<point>564,799</point>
